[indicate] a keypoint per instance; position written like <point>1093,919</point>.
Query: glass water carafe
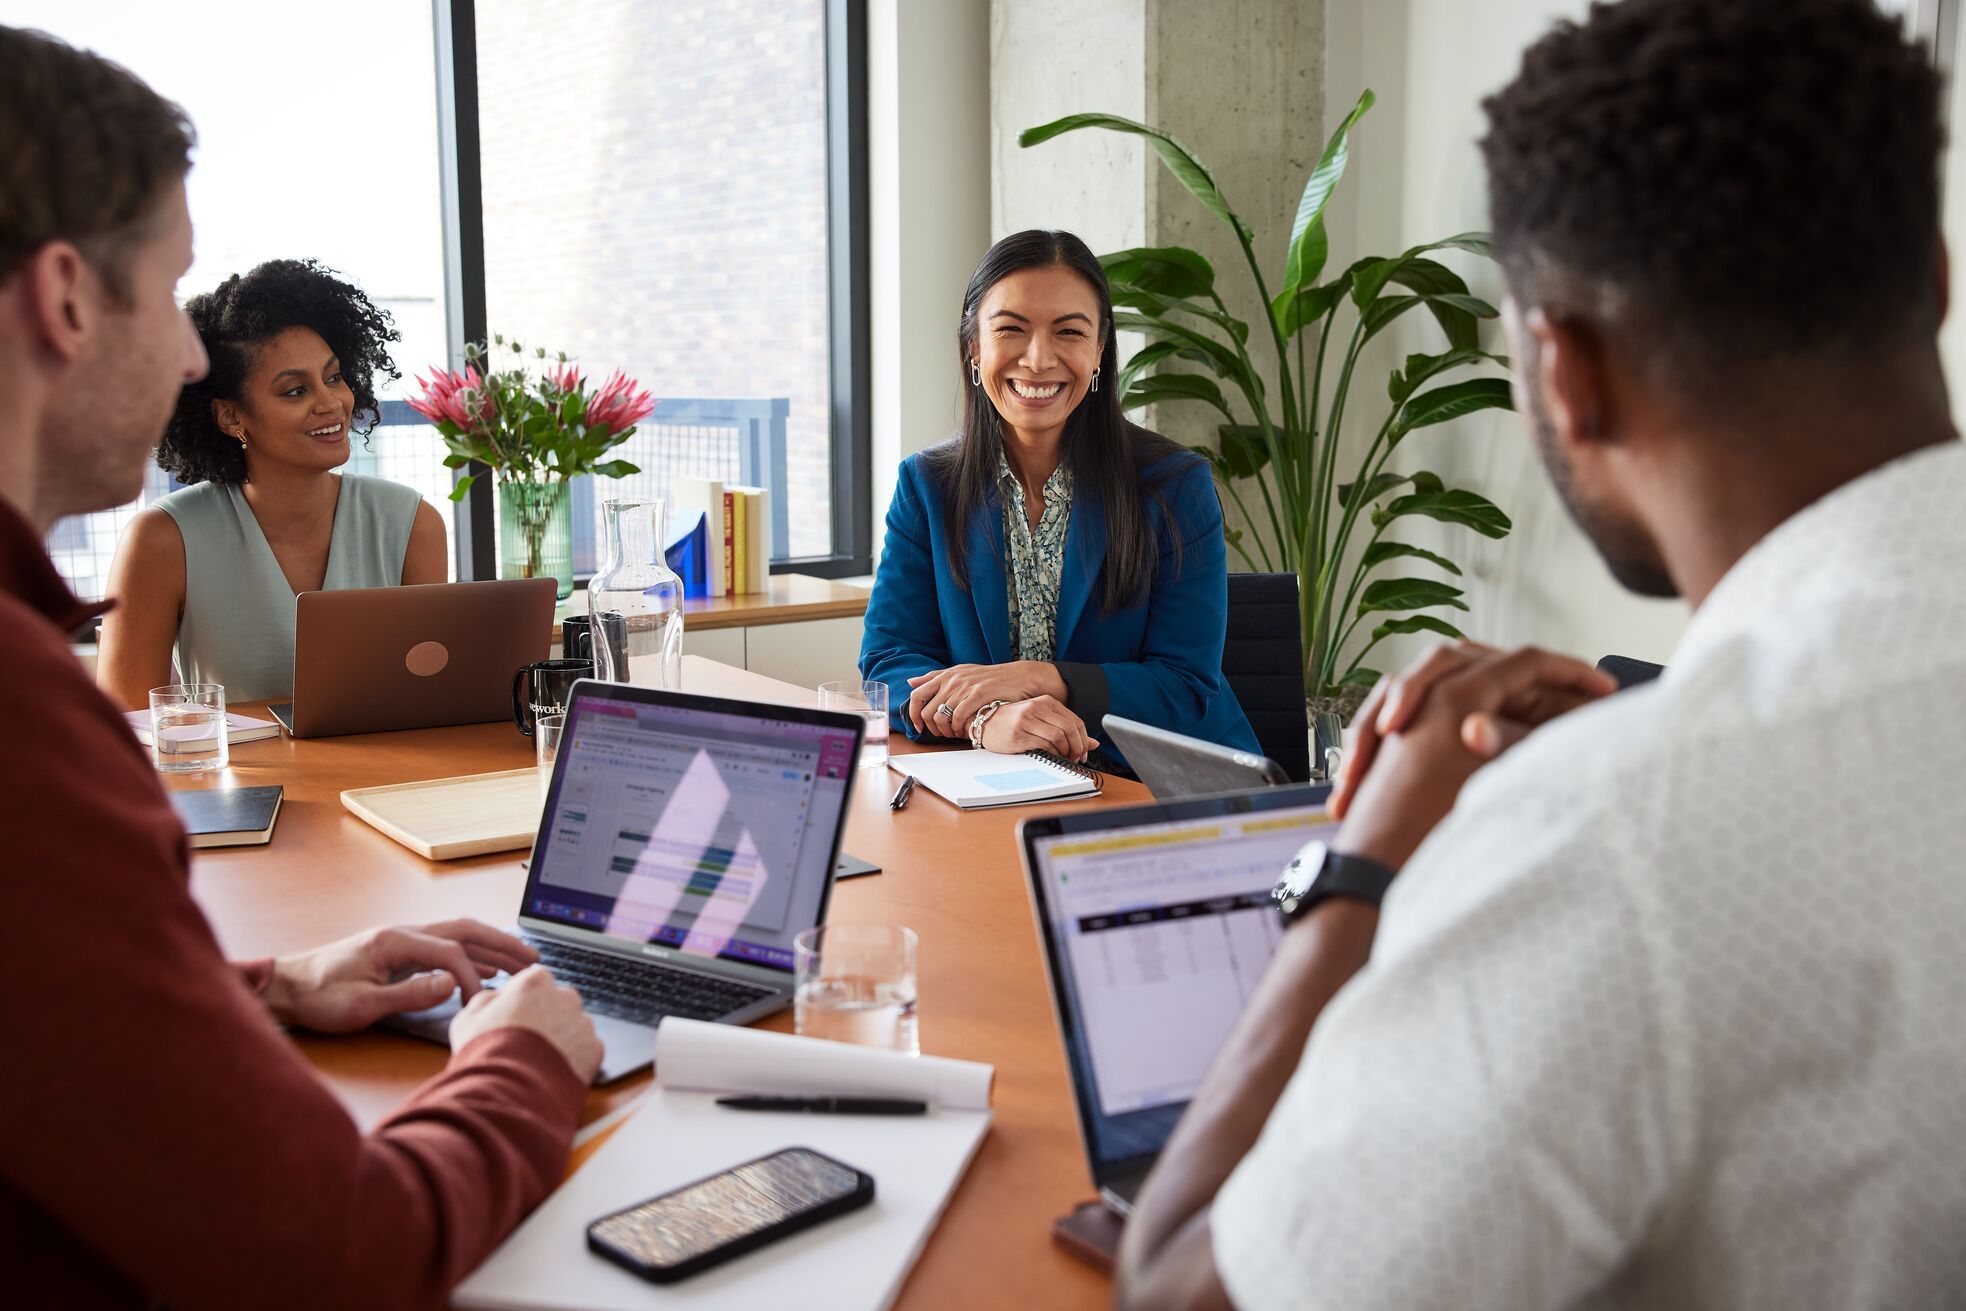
<point>636,600</point>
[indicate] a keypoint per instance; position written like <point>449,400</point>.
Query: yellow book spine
<point>740,512</point>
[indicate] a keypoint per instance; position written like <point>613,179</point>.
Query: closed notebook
<point>238,728</point>
<point>229,817</point>
<point>977,780</point>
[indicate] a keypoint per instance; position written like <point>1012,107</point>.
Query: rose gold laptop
<point>378,659</point>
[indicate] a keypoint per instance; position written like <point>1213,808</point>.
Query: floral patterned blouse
<point>1034,561</point>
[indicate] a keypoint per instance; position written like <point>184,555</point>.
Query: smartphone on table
<point>704,1224</point>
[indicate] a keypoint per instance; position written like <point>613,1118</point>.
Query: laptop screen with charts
<point>691,828</point>
<point>1156,923</point>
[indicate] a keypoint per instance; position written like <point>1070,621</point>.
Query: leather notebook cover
<point>229,817</point>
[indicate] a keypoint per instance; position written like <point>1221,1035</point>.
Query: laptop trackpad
<point>629,1046</point>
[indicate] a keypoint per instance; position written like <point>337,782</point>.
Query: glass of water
<point>546,733</point>
<point>856,983</point>
<point>187,728</point>
<point>868,700</point>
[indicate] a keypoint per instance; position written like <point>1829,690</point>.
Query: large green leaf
<point>1159,387</point>
<point>1360,677</point>
<point>1408,594</point>
<point>1451,402</point>
<point>1143,359</point>
<point>1309,246</point>
<point>1295,310</point>
<point>1455,507</point>
<point>1417,624</point>
<point>1179,159</point>
<point>1244,448</point>
<point>1381,312</point>
<point>1163,270</point>
<point>1405,381</point>
<point>1220,358</point>
<point>1160,307</point>
<point>1380,552</point>
<point>1381,484</point>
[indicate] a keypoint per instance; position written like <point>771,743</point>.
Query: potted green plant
<point>1331,530</point>
<point>534,433</point>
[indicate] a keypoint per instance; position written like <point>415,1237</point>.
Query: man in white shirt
<point>1668,1004</point>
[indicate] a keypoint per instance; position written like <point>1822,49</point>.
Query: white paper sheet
<point>690,1054</point>
<point>857,1260</point>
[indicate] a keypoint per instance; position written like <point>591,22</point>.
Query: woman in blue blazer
<point>1051,562</point>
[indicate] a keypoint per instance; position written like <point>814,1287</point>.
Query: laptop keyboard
<point>641,992</point>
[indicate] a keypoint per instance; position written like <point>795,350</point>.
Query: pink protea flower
<point>566,377</point>
<point>450,396</point>
<point>619,404</point>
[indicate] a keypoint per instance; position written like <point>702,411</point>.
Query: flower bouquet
<point>534,432</point>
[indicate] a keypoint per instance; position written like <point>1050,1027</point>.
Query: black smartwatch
<point>1317,872</point>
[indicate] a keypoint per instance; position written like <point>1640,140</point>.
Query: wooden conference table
<point>952,876</point>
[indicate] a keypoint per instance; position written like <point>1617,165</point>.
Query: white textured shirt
<point>1671,1010</point>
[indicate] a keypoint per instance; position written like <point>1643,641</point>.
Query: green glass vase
<point>535,531</point>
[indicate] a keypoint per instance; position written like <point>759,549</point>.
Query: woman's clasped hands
<point>1033,716</point>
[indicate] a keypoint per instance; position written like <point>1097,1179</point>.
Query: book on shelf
<point>690,497</point>
<point>756,523</point>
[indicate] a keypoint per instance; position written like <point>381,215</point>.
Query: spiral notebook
<point>976,780</point>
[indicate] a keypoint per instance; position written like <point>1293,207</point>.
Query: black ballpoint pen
<point>899,801</point>
<point>828,1105</point>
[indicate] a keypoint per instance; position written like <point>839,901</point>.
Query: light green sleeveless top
<point>238,625</point>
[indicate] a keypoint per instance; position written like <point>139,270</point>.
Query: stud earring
<point>1095,380</point>
<point>975,375</point>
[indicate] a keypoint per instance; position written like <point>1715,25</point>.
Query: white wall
<point>928,126</point>
<point>1415,175</point>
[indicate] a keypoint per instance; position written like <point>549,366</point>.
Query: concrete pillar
<point>1239,82</point>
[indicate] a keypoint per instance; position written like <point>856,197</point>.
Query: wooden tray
<point>444,818</point>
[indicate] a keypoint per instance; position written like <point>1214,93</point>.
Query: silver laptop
<point>1156,922</point>
<point>685,841</point>
<point>377,659</point>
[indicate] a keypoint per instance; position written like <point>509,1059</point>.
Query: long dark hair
<point>1106,454</point>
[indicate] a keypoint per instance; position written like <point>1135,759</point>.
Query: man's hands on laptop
<point>349,985</point>
<point>1420,735</point>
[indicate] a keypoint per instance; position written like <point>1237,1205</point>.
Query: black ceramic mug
<point>545,689</point>
<point>575,638</point>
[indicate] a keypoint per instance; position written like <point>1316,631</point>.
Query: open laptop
<point>376,659</point>
<point>1174,765</point>
<point>685,841</point>
<point>1156,923</point>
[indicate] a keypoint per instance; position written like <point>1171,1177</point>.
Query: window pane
<point>316,139</point>
<point>655,201</point>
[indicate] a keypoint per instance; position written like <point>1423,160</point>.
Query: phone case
<point>861,1195</point>
<point>1091,1233</point>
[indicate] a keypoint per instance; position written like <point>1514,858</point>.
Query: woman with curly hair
<point>212,570</point>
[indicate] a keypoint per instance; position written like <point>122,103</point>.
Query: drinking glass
<point>856,983</point>
<point>187,728</point>
<point>546,733</point>
<point>868,700</point>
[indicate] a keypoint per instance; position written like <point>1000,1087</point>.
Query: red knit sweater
<point>160,1139</point>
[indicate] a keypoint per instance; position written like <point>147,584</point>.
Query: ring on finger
<point>945,711</point>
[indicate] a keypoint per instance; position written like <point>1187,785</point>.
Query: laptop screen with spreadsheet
<point>692,825</point>
<point>1157,923</point>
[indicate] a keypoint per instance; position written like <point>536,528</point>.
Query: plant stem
<point>1244,510</point>
<point>1375,460</point>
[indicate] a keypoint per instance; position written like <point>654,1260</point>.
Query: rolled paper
<point>695,1056</point>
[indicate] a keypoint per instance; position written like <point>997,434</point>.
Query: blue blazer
<point>1159,662</point>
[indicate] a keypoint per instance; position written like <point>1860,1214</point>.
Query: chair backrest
<point>1263,661</point>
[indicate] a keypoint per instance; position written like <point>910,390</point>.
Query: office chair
<point>1263,661</point>
<point>1629,672</point>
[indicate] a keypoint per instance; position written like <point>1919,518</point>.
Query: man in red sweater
<point>160,1140</point>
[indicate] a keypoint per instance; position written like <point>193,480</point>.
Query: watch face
<point>1298,875</point>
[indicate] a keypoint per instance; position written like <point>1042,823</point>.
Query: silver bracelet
<point>979,719</point>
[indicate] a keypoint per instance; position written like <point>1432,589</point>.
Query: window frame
<point>850,450</point>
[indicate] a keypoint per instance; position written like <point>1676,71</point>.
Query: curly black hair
<point>1744,180</point>
<point>243,313</point>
